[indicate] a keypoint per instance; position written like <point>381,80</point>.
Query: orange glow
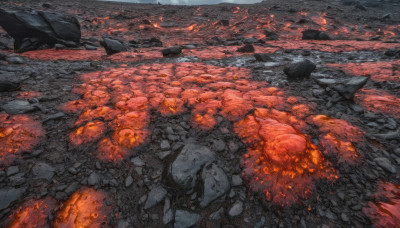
<point>85,208</point>
<point>87,133</point>
<point>281,162</point>
<point>29,95</point>
<point>379,101</point>
<point>379,71</point>
<point>337,137</point>
<point>384,210</point>
<point>33,213</point>
<point>19,133</point>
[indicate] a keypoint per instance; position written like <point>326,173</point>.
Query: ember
<point>19,133</point>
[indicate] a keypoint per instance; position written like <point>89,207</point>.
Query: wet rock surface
<point>160,183</point>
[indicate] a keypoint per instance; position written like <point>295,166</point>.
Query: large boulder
<point>312,34</point>
<point>299,70</point>
<point>113,46</point>
<point>32,29</point>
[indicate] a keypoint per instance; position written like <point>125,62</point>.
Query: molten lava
<point>19,133</point>
<point>85,208</point>
<point>33,213</point>
<point>384,210</point>
<point>379,101</point>
<point>275,132</point>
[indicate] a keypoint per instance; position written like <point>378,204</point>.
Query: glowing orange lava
<point>85,208</point>
<point>208,92</point>
<point>19,133</point>
<point>379,71</point>
<point>29,95</point>
<point>384,211</point>
<point>379,101</point>
<point>281,161</point>
<point>33,213</point>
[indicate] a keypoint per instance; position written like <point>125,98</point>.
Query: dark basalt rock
<point>271,35</point>
<point>9,81</point>
<point>349,87</point>
<point>263,57</point>
<point>246,48</point>
<point>113,46</point>
<point>312,34</point>
<point>215,182</point>
<point>31,30</point>
<point>172,51</point>
<point>300,69</point>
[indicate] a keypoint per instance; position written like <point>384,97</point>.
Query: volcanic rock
<point>236,209</point>
<point>156,195</point>
<point>246,48</point>
<point>271,35</point>
<point>349,87</point>
<point>263,57</point>
<point>113,46</point>
<point>9,81</point>
<point>223,22</point>
<point>9,195</point>
<point>168,212</point>
<point>43,171</point>
<point>215,184</point>
<point>93,179</point>
<point>385,164</point>
<point>312,34</point>
<point>31,30</point>
<point>185,219</point>
<point>300,69</point>
<point>18,107</point>
<point>172,51</point>
<point>182,172</point>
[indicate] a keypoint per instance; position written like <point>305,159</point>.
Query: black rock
<point>312,34</point>
<point>349,87</point>
<point>46,5</point>
<point>156,195</point>
<point>392,52</point>
<point>172,51</point>
<point>185,219</point>
<point>18,107</point>
<point>9,81</point>
<point>43,171</point>
<point>33,29</point>
<point>9,195</point>
<point>263,57</point>
<point>246,48</point>
<point>300,69</point>
<point>113,46</point>
<point>360,7</point>
<point>215,184</point>
<point>183,170</point>
<point>223,22</point>
<point>250,40</point>
<point>271,34</point>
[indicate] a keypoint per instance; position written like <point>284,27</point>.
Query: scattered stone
<point>93,179</point>
<point>128,181</point>
<point>172,51</point>
<point>156,195</point>
<point>72,188</point>
<point>123,224</point>
<point>183,170</point>
<point>15,60</point>
<point>385,164</point>
<point>250,40</point>
<point>326,82</point>
<point>312,34</point>
<point>360,7</point>
<point>165,145</point>
<point>53,117</point>
<point>263,57</point>
<point>389,135</point>
<point>90,47</point>
<point>168,212</point>
<point>46,5</point>
<point>17,179</point>
<point>236,209</point>
<point>260,223</point>
<point>271,35</point>
<point>32,29</point>
<point>43,171</point>
<point>236,180</point>
<point>18,107</point>
<point>215,184</point>
<point>12,170</point>
<point>9,81</point>
<point>246,48</point>
<point>113,46</point>
<point>185,219</point>
<point>349,87</point>
<point>163,154</point>
<point>137,161</point>
<point>223,22</point>
<point>218,214</point>
<point>301,69</point>
<point>344,217</point>
<point>9,195</point>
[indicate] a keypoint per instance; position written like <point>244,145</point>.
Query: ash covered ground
<point>277,114</point>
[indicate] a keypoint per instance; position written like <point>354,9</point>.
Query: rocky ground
<point>150,137</point>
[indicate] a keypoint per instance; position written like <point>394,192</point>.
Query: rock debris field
<point>275,114</point>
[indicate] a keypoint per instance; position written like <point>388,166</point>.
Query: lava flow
<point>19,133</point>
<point>33,213</point>
<point>85,208</point>
<point>384,210</point>
<point>116,103</point>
